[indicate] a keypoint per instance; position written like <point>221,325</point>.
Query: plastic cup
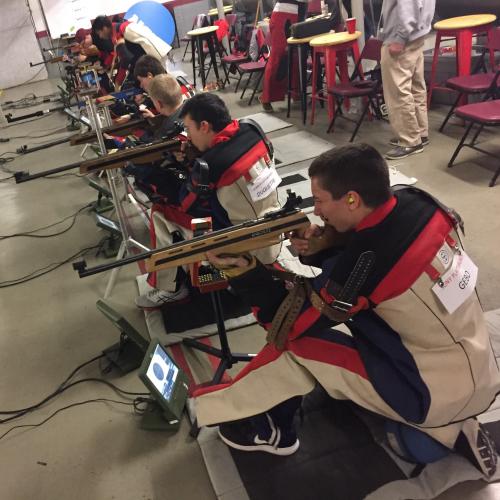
<point>351,24</point>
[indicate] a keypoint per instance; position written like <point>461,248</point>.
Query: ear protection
<point>350,200</point>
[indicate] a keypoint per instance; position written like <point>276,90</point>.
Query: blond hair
<point>166,89</point>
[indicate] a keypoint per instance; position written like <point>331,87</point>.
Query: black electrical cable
<point>29,234</point>
<point>64,388</point>
<point>80,403</point>
<point>61,385</point>
<point>46,269</point>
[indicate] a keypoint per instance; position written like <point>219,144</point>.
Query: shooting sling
<point>338,310</point>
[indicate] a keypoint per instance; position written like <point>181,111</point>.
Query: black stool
<point>198,36</point>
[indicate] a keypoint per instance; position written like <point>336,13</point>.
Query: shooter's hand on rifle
<point>232,265</point>
<point>313,239</point>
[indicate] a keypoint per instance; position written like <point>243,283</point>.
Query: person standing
<point>285,13</point>
<point>405,24</point>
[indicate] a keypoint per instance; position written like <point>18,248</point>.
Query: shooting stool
<point>462,29</point>
<point>334,46</point>
<point>198,36</point>
<point>302,46</point>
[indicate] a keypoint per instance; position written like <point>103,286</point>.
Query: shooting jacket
<point>237,156</point>
<point>406,358</point>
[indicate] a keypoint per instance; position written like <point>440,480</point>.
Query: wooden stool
<point>462,29</point>
<point>302,46</point>
<point>334,45</point>
<point>198,36</point>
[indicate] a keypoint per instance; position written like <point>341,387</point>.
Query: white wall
<point>19,45</point>
<point>64,16</point>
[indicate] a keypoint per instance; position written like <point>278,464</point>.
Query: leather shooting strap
<point>337,311</point>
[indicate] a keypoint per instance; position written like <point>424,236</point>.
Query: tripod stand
<point>224,354</point>
<point>227,358</point>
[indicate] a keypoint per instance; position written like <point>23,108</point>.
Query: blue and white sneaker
<point>259,434</point>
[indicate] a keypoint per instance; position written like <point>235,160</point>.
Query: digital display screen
<point>108,223</point>
<point>162,372</point>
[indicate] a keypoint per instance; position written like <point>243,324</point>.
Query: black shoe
<point>259,434</point>
<point>476,444</point>
<point>400,152</point>
<point>395,141</point>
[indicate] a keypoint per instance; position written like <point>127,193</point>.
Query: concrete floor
<point>50,325</point>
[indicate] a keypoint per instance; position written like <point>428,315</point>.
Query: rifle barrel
<point>197,249</point>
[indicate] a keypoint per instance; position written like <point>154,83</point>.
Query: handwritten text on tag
<point>458,283</point>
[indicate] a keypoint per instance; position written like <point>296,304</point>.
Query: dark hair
<point>207,107</point>
<point>355,167</point>
<point>148,64</point>
<point>99,23</point>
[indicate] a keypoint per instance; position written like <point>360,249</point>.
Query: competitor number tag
<point>264,184</point>
<point>457,283</point>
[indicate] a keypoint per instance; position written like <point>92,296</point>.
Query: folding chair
<point>255,67</point>
<point>369,88</point>
<point>484,114</point>
<point>475,84</point>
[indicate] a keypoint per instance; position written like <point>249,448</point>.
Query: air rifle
<point>123,129</point>
<point>250,235</point>
<point>138,155</point>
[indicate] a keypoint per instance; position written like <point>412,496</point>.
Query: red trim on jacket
<point>226,133</point>
<point>241,167</point>
<point>304,322</point>
<point>415,260</point>
<point>267,355</point>
<point>330,353</point>
<point>378,215</point>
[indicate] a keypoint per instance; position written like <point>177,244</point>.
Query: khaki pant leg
<point>419,91</point>
<point>397,77</point>
<point>283,376</point>
<point>264,385</point>
<point>163,229</point>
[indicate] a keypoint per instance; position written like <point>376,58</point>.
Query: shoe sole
<point>267,448</point>
<point>172,303</point>
<point>416,152</point>
<point>394,144</point>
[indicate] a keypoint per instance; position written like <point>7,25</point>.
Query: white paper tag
<point>264,184</point>
<point>457,284</point>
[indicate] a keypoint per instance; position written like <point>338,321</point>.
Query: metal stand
<point>114,180</point>
<point>227,358</point>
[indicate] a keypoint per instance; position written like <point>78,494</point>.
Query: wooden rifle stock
<point>138,155</point>
<point>123,129</point>
<point>235,240</point>
<point>250,235</point>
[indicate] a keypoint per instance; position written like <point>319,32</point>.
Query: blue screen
<point>162,372</point>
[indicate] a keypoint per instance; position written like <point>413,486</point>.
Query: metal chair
<point>483,114</point>
<point>368,88</point>
<point>255,67</point>
<point>480,83</point>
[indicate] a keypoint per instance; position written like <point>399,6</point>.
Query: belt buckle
<point>341,306</point>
